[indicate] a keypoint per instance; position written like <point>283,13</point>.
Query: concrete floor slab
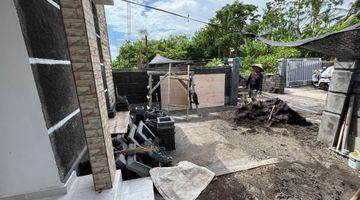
<point>83,189</point>
<point>138,189</point>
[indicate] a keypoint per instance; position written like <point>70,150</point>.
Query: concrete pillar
<point>354,136</point>
<point>84,54</point>
<point>234,81</point>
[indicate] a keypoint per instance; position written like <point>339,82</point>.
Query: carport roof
<point>158,59</point>
<point>343,44</point>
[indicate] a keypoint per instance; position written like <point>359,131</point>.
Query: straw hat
<point>258,66</point>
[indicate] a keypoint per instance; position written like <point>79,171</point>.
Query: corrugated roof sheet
<point>341,44</point>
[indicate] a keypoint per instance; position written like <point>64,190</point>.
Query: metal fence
<point>298,71</point>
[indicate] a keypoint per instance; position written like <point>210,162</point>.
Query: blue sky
<point>161,25</point>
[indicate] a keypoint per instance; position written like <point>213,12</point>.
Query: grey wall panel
<point>56,87</point>
<point>43,29</point>
<point>68,142</point>
<point>44,34</point>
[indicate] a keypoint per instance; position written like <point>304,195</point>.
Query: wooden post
<point>150,89</point>
<point>169,87</point>
<point>188,93</point>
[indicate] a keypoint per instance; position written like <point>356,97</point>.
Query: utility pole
<point>144,33</point>
<point>146,51</point>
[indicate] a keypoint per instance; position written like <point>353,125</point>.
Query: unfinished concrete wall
<point>133,83</point>
<point>345,83</point>
<point>45,38</point>
<point>78,16</point>
<point>274,83</point>
<point>27,161</point>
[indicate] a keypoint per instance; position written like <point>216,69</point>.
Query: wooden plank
<point>159,83</point>
<point>209,87</point>
<point>243,166</point>
<point>177,94</point>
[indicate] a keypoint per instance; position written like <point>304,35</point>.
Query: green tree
<point>225,37</point>
<point>133,54</point>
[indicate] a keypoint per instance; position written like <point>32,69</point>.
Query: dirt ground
<point>306,168</point>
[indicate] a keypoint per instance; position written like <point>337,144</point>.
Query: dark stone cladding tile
<point>67,144</point>
<point>57,91</point>
<point>43,29</point>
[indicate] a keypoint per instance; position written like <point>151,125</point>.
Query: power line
<point>171,13</point>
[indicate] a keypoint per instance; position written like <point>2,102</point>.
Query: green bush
<point>215,62</point>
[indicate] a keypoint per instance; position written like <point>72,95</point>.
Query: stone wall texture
<point>106,52</point>
<point>274,83</point>
<point>82,44</point>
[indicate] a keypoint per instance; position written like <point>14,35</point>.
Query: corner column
<point>342,86</point>
<point>81,36</point>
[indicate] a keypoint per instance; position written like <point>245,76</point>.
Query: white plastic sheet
<point>183,182</point>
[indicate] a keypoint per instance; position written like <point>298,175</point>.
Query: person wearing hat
<point>255,80</point>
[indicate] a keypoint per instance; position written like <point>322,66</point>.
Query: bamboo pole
<point>341,134</point>
<point>348,122</point>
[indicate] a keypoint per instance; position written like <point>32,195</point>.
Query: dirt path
<point>308,99</point>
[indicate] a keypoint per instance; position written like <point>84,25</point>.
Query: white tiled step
<point>138,189</point>
<point>83,189</point>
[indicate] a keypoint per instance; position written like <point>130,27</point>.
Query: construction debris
<point>183,182</point>
<point>141,149</point>
<point>273,111</point>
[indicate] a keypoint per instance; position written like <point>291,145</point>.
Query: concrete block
<point>356,87</point>
<point>145,131</point>
<point>356,111</point>
<point>328,127</point>
<point>165,123</point>
<point>335,102</point>
<point>120,162</point>
<point>355,127</point>
<point>344,65</point>
<point>340,81</point>
<point>131,137</point>
<point>134,165</point>
<point>354,143</point>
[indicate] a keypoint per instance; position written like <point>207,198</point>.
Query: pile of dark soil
<point>273,111</point>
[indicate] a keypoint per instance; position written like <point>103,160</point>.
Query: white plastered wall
<point>27,162</point>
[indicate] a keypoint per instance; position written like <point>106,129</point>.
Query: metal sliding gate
<point>298,71</point>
